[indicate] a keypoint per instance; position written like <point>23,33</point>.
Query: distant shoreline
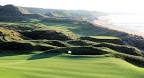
<point>106,24</point>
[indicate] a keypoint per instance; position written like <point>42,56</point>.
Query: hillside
<point>65,18</point>
<point>9,12</point>
<point>21,14</point>
<point>9,35</point>
<point>71,14</point>
<point>15,13</point>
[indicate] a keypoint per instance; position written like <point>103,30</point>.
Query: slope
<point>9,35</point>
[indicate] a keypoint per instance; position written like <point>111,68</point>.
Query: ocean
<point>131,23</point>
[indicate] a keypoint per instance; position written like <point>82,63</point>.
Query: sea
<point>130,23</point>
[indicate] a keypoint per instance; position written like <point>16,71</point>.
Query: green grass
<point>63,65</point>
<point>18,26</point>
<point>66,66</point>
<point>77,28</point>
<point>63,29</point>
<point>81,29</point>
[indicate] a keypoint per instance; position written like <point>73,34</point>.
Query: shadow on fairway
<point>83,56</point>
<point>43,55</point>
<point>14,53</point>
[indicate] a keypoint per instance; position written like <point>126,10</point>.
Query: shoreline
<point>106,24</point>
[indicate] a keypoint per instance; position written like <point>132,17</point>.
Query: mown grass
<point>66,66</point>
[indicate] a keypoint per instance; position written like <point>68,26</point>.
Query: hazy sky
<point>98,5</point>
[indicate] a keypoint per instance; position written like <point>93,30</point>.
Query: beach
<point>130,23</point>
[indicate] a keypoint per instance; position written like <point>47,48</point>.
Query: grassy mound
<point>24,46</point>
<point>108,39</point>
<point>52,42</point>
<point>136,60</point>
<point>43,47</point>
<point>46,34</point>
<point>81,42</point>
<point>121,48</point>
<point>36,26</point>
<point>9,35</point>
<point>23,26</point>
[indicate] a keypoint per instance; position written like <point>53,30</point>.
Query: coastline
<point>109,25</point>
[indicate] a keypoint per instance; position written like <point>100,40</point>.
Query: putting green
<point>65,66</point>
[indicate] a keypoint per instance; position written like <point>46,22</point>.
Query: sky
<point>116,6</point>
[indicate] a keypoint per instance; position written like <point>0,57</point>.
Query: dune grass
<point>75,27</point>
<point>9,35</point>
<point>66,66</point>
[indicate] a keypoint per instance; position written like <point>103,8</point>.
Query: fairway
<point>66,66</point>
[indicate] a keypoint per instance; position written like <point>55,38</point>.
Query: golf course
<point>51,43</point>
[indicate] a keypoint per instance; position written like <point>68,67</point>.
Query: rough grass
<point>136,60</point>
<point>9,35</point>
<point>121,48</point>
<point>30,26</point>
<point>101,39</point>
<point>65,66</point>
<point>20,26</point>
<point>48,34</point>
<point>24,46</point>
<point>64,30</point>
<point>82,29</point>
<point>51,42</point>
<point>81,42</point>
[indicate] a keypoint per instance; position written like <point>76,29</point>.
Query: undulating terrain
<point>49,43</point>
